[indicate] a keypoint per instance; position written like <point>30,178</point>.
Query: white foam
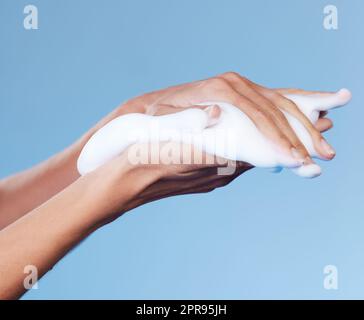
<point>234,137</point>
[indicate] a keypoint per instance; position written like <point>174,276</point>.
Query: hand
<point>264,106</point>
<point>174,180</point>
<point>169,180</point>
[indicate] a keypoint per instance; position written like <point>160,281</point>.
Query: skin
<point>47,210</point>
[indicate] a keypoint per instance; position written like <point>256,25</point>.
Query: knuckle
<point>281,100</point>
<point>231,75</point>
<point>284,141</point>
<point>302,149</point>
<point>259,113</point>
<point>316,134</point>
<point>281,117</point>
<point>277,97</point>
<point>298,143</point>
<point>244,80</point>
<point>275,111</point>
<point>218,84</point>
<point>261,116</point>
<point>291,104</point>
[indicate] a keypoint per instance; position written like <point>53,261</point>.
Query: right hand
<point>262,105</point>
<point>145,183</point>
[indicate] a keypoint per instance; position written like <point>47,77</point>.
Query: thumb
<point>334,100</point>
<point>213,113</point>
<point>322,102</point>
<point>193,118</point>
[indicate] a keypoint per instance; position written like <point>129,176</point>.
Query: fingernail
<point>328,149</point>
<point>297,155</point>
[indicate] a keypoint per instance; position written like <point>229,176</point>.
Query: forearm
<point>25,191</point>
<point>46,234</point>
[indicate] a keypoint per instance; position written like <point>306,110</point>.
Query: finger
<point>330,101</point>
<point>203,180</point>
<point>212,112</point>
<point>319,142</point>
<point>245,88</point>
<point>210,182</point>
<point>321,101</point>
<point>267,126</point>
<point>171,120</point>
<point>302,92</point>
<point>323,124</point>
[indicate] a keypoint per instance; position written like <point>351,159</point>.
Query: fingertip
<point>326,150</point>
<point>213,114</point>
<point>324,124</point>
<point>309,171</point>
<point>345,93</point>
<point>214,111</point>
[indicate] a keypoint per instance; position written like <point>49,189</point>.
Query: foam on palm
<point>234,137</point>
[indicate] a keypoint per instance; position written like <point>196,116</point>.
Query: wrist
<point>115,188</point>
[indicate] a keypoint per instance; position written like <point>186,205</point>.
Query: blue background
<point>264,235</point>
